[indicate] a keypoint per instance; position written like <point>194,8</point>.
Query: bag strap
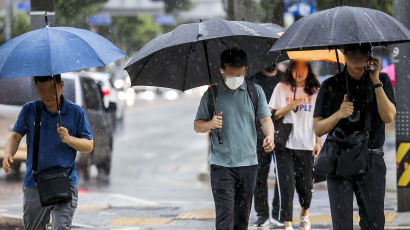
<point>253,94</point>
<point>36,144</point>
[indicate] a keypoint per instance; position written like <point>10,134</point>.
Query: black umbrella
<point>189,56</point>
<point>273,27</point>
<point>341,26</point>
<point>334,28</point>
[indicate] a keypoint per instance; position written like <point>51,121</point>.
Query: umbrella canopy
<point>340,26</point>
<point>189,56</point>
<point>317,55</point>
<point>274,28</point>
<point>54,50</point>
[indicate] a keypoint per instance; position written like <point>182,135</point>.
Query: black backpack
<point>252,94</point>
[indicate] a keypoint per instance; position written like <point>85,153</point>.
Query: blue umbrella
<point>54,50</point>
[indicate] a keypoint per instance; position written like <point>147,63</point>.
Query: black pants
<point>294,169</point>
<point>261,190</point>
<point>233,190</point>
<point>369,191</point>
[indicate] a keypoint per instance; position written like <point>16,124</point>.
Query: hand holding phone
<point>374,67</point>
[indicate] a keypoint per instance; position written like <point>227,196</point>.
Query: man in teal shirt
<point>234,164</point>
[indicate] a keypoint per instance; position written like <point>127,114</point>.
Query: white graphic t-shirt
<point>302,136</point>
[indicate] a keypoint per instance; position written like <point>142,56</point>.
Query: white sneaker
<point>305,223</point>
<point>262,222</point>
<point>276,223</point>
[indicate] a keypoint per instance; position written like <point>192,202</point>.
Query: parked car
<point>87,92</point>
<point>14,93</point>
<point>110,94</point>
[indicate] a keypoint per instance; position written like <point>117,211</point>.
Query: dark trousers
<point>261,190</point>
<point>369,191</point>
<point>233,190</point>
<point>294,170</point>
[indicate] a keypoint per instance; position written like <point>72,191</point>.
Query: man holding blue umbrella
<point>57,147</point>
<point>56,128</point>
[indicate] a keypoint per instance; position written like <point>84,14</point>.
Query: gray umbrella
<point>340,26</point>
<point>188,56</point>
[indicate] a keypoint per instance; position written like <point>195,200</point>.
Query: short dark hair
<point>270,68</point>
<point>356,48</point>
<point>234,57</point>
<point>47,78</point>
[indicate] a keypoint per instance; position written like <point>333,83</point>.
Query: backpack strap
<point>212,93</point>
<point>36,143</point>
<point>253,94</point>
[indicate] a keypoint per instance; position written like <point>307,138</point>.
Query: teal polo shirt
<point>238,128</point>
<point>52,151</point>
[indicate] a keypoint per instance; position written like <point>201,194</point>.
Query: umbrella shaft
<point>58,106</point>
<point>205,45</point>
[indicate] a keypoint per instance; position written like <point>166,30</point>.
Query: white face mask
<point>234,82</point>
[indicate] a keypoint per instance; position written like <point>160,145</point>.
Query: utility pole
<point>278,11</point>
<point>37,13</point>
<point>231,10</point>
<point>401,57</point>
<point>366,3</point>
<point>8,19</point>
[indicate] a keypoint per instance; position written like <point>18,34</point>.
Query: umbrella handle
<point>219,135</point>
<point>354,118</point>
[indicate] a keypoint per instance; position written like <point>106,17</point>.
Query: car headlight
<point>171,95</point>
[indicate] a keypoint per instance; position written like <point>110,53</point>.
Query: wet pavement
<point>157,162</point>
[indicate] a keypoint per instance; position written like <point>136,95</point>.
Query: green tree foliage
<point>75,12</point>
<point>20,25</point>
<point>131,33</point>
<point>174,5</point>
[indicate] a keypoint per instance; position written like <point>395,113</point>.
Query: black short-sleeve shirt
<point>331,96</point>
<point>268,84</point>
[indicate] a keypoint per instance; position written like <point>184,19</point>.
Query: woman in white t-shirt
<point>294,100</point>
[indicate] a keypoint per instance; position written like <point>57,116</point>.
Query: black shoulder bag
<point>345,156</point>
<point>53,184</point>
<point>282,130</point>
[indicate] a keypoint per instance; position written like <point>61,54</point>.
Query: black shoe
<point>262,221</point>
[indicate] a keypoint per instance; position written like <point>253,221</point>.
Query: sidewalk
<point>118,211</point>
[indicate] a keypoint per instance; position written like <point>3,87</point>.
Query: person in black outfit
<point>333,109</point>
<point>267,79</point>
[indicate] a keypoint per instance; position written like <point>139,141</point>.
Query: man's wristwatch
<point>378,85</point>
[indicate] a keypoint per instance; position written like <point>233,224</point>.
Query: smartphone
<point>369,66</point>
